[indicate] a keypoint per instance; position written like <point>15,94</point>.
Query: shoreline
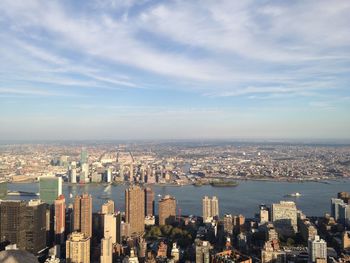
<point>322,181</point>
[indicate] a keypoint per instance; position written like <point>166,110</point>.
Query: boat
<point>296,194</point>
<point>70,195</point>
<point>222,183</point>
<point>159,195</point>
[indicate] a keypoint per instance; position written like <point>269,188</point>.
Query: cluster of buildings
<point>53,230</point>
<point>173,163</point>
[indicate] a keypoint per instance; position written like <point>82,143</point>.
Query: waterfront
<point>244,198</point>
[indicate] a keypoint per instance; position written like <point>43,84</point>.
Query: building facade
<point>167,210</point>
<point>82,209</point>
<point>135,209</point>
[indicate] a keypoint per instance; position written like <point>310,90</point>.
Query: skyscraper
<point>83,156</point>
<point>24,224</point>
<point>35,226</point>
<point>12,227</point>
<point>60,219</point>
<point>106,250</point>
<point>110,227</point>
<point>317,249</point>
<point>50,188</point>
<point>83,214</point>
<point>135,209</point>
<point>78,248</point>
<point>167,210</point>
<point>210,208</point>
<point>149,202</point>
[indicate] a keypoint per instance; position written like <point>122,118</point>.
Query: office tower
<point>83,214</point>
<point>108,207</point>
<point>83,156</point>
<point>60,219</point>
<point>12,227</point>
<point>3,189</point>
<point>24,224</point>
<point>210,208</point>
<point>135,209</point>
<point>284,217</point>
<point>78,248</point>
<point>238,223</point>
<point>202,251</point>
<point>317,249</point>
<point>35,226</point>
<point>50,188</point>
<point>106,250</point>
<point>335,204</point>
<point>149,202</point>
<point>109,227</point>
<point>167,210</point>
<point>73,175</point>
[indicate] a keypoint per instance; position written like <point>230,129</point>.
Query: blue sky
<point>174,69</point>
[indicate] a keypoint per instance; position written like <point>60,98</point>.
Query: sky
<point>139,69</point>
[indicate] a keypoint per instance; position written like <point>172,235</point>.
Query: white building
<point>317,249</point>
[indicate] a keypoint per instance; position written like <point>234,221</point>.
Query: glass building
<point>3,189</point>
<point>50,188</point>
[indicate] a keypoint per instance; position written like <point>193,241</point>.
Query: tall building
<point>35,226</point>
<point>83,214</point>
<point>3,189</point>
<point>73,175</point>
<point>284,217</point>
<point>50,188</point>
<point>12,227</point>
<point>135,209</point>
<point>264,214</point>
<point>210,208</point>
<point>110,227</point>
<point>78,248</point>
<point>167,210</point>
<point>149,202</point>
<point>84,174</point>
<point>83,156</point>
<point>335,205</point>
<point>24,224</point>
<point>108,207</point>
<point>60,219</point>
<point>106,250</point>
<point>202,251</point>
<point>317,249</point>
<point>228,224</point>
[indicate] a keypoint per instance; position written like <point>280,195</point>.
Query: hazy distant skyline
<point>139,69</point>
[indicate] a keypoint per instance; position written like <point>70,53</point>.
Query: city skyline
<point>174,70</point>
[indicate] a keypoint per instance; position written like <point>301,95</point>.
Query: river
<point>243,199</point>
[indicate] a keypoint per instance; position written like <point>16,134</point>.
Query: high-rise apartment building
<point>60,219</point>
<point>82,208</point>
<point>167,210</point>
<point>317,249</point>
<point>284,217</point>
<point>108,207</point>
<point>210,208</point>
<point>50,188</point>
<point>149,202</point>
<point>202,251</point>
<point>78,248</point>
<point>106,250</point>
<point>135,209</point>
